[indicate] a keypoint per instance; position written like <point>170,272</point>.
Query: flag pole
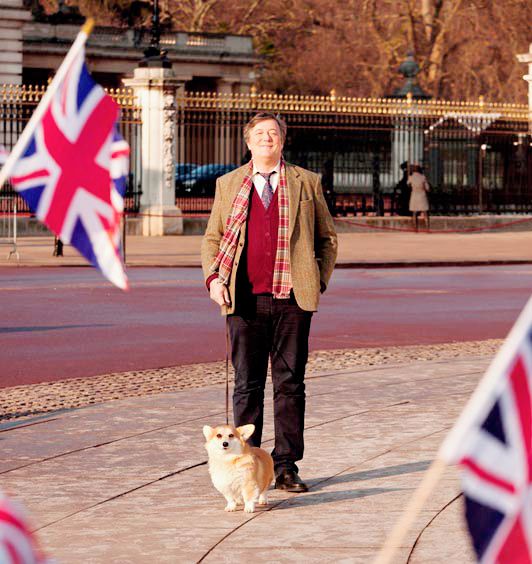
<point>417,501</point>
<point>23,140</point>
<point>476,409</point>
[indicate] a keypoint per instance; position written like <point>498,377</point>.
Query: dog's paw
<point>231,506</point>
<point>263,499</point>
<point>249,507</point>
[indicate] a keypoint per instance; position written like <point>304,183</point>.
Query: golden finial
<point>87,26</point>
<point>253,96</point>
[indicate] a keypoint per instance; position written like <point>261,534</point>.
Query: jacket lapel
<point>294,183</point>
<point>233,189</point>
<point>236,184</point>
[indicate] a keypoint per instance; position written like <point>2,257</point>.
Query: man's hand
<point>219,293</point>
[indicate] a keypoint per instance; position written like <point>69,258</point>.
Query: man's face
<point>265,141</point>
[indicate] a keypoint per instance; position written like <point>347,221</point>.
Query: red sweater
<point>261,244</point>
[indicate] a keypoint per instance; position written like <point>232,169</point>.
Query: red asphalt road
<point>62,323</point>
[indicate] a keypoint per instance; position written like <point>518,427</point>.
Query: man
<point>269,248</point>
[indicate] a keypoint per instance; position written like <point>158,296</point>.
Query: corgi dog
<point>240,472</point>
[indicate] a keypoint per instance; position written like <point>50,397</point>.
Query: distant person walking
<point>402,191</point>
<point>419,202</point>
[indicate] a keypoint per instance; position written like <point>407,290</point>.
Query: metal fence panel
<point>477,156</point>
<point>17,104</point>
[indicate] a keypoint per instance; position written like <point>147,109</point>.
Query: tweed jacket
<point>313,241</point>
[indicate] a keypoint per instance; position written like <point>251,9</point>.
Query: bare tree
<point>465,48</point>
<point>194,14</point>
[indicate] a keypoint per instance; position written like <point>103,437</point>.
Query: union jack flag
<point>494,450</point>
<point>73,172</point>
<point>17,542</point>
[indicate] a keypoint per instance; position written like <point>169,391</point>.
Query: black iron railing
<point>476,156</point>
<point>17,104</point>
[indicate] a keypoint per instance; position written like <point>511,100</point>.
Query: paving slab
<point>127,481</point>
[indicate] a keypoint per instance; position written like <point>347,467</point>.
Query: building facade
<point>33,46</point>
<point>13,16</point>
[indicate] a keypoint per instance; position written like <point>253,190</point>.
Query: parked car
<point>182,171</point>
<point>202,180</point>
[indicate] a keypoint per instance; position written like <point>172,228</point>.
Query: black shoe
<point>289,481</point>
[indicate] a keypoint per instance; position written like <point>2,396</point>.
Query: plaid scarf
<point>223,263</point>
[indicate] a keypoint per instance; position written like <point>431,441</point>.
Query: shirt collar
<point>276,168</point>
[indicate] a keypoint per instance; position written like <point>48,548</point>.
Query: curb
<point>339,265</point>
<point>433,263</point>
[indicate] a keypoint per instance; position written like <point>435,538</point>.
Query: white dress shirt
<point>259,181</point>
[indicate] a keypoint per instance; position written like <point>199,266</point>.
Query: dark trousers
<point>264,328</point>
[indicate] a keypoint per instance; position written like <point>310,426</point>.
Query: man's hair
<point>263,116</point>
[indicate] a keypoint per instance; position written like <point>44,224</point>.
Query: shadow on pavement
<point>397,470</point>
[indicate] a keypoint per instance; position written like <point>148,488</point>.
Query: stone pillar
<point>12,18</point>
<point>180,103</point>
<point>156,90</point>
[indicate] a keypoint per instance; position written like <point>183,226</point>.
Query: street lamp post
<point>155,87</point>
<point>153,56</point>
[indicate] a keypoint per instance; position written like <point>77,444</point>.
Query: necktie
<point>267,192</point>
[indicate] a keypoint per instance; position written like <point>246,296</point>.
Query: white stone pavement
<point>125,481</point>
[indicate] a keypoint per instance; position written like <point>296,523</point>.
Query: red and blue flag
<point>17,543</point>
<point>74,170</point>
<point>493,446</point>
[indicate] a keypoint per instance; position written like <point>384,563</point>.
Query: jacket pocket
<point>306,215</point>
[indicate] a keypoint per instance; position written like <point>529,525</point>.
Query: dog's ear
<point>207,432</point>
<point>246,431</point>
